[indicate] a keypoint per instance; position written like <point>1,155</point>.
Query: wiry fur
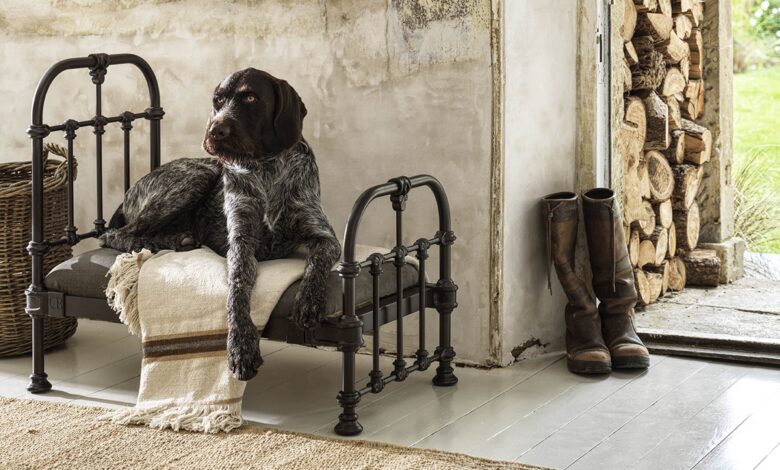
<point>247,205</point>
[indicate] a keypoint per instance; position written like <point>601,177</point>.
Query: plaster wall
<point>540,137</point>
<point>392,87</point>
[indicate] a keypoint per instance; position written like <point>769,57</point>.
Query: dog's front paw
<point>309,308</point>
<point>243,347</point>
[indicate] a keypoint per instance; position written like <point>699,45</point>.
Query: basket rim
<point>56,173</point>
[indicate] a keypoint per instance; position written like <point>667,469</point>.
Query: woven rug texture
<point>42,435</point>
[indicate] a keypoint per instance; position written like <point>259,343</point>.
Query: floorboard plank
<point>645,430</point>
<point>714,423</point>
<point>749,444</point>
<point>529,430</point>
<point>588,430</point>
<point>420,420</point>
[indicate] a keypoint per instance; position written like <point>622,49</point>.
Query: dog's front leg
<point>324,251</point>
<point>243,231</point>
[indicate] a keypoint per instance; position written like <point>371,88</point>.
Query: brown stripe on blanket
<point>191,338</point>
<point>196,345</point>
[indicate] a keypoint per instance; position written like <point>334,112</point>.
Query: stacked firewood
<point>663,148</point>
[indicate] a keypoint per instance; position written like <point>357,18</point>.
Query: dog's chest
<point>255,190</point>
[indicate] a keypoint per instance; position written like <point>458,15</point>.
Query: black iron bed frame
<point>346,333</point>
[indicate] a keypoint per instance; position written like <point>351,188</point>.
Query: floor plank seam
<point>644,456</point>
<point>635,415</point>
<point>488,401</point>
<point>633,379</point>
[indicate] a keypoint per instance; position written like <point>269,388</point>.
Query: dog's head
<point>254,115</point>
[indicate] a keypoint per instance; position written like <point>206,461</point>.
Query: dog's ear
<point>289,112</point>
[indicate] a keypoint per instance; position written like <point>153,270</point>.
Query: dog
<point>257,199</point>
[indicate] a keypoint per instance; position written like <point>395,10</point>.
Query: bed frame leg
<point>38,379</point>
<point>445,303</point>
<point>349,397</point>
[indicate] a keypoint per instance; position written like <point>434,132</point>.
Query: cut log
<point>645,5</point>
<point>675,118</point>
<point>630,142</point>
<point>687,225</point>
<point>688,109</point>
<point>674,49</point>
<point>650,72</point>
<point>657,116</point>
<point>629,22</point>
<point>660,176</point>
<point>682,26</point>
<point>645,222</point>
<point>660,240</point>
<point>685,68</point>
<point>686,186</point>
<point>665,7</point>
<point>629,51</point>
<point>692,89</point>
<point>635,113</point>
<point>696,46</point>
<point>646,253</point>
<point>671,249</point>
<point>633,208</point>
<point>644,179</point>
<point>664,213</point>
<point>642,287</point>
<point>627,78</point>
<point>702,268</point>
<point>656,25</point>
<point>673,83</point>
<point>677,274</point>
<point>633,248</point>
<point>681,6</point>
<point>697,8</point>
<point>698,142</point>
<point>655,283</point>
<point>663,270</point>
<point>676,151</point>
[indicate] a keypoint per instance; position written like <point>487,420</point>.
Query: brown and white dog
<point>259,199</point>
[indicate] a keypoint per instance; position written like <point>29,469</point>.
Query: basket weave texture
<point>15,263</point>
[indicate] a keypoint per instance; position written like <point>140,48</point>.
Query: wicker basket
<point>15,222</point>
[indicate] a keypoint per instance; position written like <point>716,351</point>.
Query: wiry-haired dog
<point>259,199</point>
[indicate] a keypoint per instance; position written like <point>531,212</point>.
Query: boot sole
<point>588,367</point>
<point>631,362</point>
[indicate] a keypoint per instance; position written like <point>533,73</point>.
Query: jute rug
<point>43,435</point>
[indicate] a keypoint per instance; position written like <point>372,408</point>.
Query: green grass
<point>757,141</point>
<point>756,109</point>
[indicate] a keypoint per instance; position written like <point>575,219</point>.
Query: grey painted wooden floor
<point>682,413</point>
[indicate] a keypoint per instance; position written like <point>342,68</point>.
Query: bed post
<point>444,300</point>
<point>351,336</point>
<point>39,382</point>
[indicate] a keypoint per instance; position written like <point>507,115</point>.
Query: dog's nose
<point>219,130</point>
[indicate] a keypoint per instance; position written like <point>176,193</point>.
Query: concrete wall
<point>392,87</point>
<point>540,48</point>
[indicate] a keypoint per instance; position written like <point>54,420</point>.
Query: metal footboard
<point>443,297</point>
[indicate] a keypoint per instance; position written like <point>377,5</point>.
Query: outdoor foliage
<point>757,123</point>
<point>756,33</point>
<point>756,200</point>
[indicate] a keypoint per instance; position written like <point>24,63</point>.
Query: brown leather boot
<point>585,348</point>
<point>613,279</point>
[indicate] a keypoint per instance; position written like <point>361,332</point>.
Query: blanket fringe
<point>209,419</point>
<point>122,292</point>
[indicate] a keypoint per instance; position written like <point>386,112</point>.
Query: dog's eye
<point>219,100</point>
<point>250,98</point>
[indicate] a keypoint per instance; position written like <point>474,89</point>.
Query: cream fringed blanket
<point>175,301</point>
